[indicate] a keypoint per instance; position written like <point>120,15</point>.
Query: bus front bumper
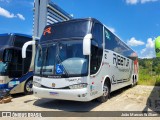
<point>62,94</point>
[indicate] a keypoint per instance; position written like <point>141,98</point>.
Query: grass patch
<point>157,81</point>
<point>148,78</point>
<point>149,71</point>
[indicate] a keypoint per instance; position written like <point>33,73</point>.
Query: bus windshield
<point>5,40</point>
<point>61,58</point>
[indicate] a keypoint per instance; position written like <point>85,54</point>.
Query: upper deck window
<point>62,30</point>
<point>113,43</point>
<point>5,40</point>
<point>98,34</point>
<point>20,40</point>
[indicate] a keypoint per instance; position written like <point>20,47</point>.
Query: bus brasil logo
<point>59,69</point>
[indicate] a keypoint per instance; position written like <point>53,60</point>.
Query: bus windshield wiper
<point>60,62</point>
<point>43,60</point>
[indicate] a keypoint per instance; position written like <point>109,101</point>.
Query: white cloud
<point>20,16</point>
<point>6,13</point>
<point>133,2</point>
<point>149,50</point>
<point>150,43</point>
<point>71,15</point>
<point>134,42</point>
<point>145,1</point>
<point>8,1</point>
<point>111,29</point>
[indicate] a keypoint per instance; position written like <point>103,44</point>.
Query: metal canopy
<point>45,13</point>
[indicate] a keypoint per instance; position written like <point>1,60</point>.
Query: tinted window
<point>96,48</point>
<point>19,41</point>
<point>15,67</point>
<point>5,40</point>
<point>68,54</point>
<point>98,34</point>
<point>115,44</point>
<point>110,42</point>
<point>66,30</point>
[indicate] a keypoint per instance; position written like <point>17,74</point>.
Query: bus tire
<point>135,79</point>
<point>133,82</point>
<point>106,93</point>
<point>28,87</point>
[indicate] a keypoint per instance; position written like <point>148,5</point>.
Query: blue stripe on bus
<point>22,79</point>
<point>3,86</point>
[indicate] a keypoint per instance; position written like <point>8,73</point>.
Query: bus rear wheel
<point>28,87</point>
<point>106,93</point>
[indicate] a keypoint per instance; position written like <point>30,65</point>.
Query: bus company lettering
<point>120,61</point>
<point>74,79</point>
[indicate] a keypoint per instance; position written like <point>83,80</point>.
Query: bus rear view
<point>75,61</point>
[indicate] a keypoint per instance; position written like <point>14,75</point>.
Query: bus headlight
<point>78,86</point>
<point>36,84</point>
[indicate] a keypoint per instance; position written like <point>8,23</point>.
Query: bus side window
<point>96,48</point>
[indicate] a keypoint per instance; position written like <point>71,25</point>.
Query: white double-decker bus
<point>82,60</point>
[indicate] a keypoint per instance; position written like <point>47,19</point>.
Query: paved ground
<point>138,98</point>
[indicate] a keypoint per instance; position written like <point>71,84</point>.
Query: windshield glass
<point>61,58</point>
<point>3,68</point>
<point>4,40</point>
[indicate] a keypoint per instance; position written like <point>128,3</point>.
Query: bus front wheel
<point>28,87</point>
<point>106,93</point>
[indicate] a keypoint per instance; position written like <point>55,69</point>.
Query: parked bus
<point>14,75</point>
<point>81,60</point>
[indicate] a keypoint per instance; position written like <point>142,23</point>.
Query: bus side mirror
<point>87,44</point>
<point>24,48</point>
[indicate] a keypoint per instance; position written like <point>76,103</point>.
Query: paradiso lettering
<point>120,61</point>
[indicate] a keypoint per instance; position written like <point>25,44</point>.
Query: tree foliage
<point>149,71</point>
<point>149,64</point>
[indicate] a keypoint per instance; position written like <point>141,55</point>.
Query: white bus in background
<point>81,60</point>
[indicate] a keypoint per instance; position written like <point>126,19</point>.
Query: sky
<point>136,22</point>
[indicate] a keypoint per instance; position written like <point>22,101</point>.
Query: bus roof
<point>75,20</point>
<point>7,40</point>
<point>18,34</point>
